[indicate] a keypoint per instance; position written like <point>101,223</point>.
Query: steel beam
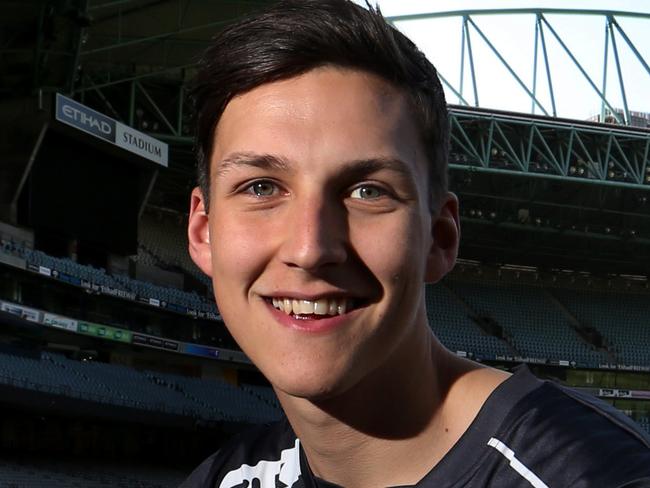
<point>156,109</point>
<point>542,24</point>
<point>138,77</point>
<point>507,66</point>
<point>631,45</point>
<point>619,71</point>
<point>481,169</point>
<point>471,60</point>
<point>549,148</point>
<point>546,64</point>
<point>511,11</point>
<point>605,56</point>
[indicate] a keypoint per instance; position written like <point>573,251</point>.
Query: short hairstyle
<point>296,36</point>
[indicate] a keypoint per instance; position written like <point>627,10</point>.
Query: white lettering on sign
<point>86,119</point>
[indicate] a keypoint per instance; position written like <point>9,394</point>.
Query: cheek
<point>392,248</point>
<point>238,252</point>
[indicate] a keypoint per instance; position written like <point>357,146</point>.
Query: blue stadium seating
<point>534,325</point>
<point>39,473</point>
<point>99,277</point>
<point>167,244</point>
<point>208,399</point>
<point>451,323</point>
<point>623,319</point>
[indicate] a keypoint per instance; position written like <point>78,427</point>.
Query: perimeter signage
<point>99,125</point>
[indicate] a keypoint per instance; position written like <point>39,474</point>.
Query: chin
<point>313,384</point>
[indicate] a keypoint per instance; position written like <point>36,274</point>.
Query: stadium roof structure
<point>537,186</point>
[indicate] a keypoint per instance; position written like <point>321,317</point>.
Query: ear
<point>198,233</point>
<point>445,233</point>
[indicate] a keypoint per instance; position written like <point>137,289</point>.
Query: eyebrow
<point>262,161</point>
<point>353,168</point>
<point>362,167</point>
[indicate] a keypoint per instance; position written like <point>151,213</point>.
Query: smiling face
<point>319,234</point>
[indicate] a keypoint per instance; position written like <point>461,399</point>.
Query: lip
<point>312,326</point>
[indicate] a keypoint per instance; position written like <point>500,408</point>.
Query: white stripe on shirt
<point>516,464</point>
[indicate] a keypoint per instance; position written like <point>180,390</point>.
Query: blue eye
<point>262,188</point>
<point>367,192</point>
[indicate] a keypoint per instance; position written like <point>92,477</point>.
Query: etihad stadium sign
<point>86,119</point>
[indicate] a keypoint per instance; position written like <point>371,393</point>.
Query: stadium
<point>116,369</point>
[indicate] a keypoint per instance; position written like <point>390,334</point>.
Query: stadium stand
<point>167,245</point>
<point>450,320</point>
<point>40,473</point>
<point>147,305</point>
<point>621,318</point>
<point>534,326</point>
<point>207,399</point>
<point>263,393</point>
<point>485,320</point>
<point>98,278</point>
<point>229,402</point>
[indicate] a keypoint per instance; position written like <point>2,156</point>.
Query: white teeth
<point>322,306</point>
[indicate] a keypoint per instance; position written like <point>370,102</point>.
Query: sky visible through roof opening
<point>513,38</point>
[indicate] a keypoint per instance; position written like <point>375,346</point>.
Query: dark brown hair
<point>295,36</point>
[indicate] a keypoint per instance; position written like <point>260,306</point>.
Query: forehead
<point>325,115</point>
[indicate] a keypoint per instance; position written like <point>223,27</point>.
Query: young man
<point>321,213</point>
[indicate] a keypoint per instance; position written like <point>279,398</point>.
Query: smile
<point>310,308</point>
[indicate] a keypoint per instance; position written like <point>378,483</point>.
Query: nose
<point>316,234</point>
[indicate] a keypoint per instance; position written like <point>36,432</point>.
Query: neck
<point>395,425</point>
<point>390,429</point>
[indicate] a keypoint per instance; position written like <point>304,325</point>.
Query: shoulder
<point>571,436</point>
<point>571,411</point>
<point>264,452</point>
